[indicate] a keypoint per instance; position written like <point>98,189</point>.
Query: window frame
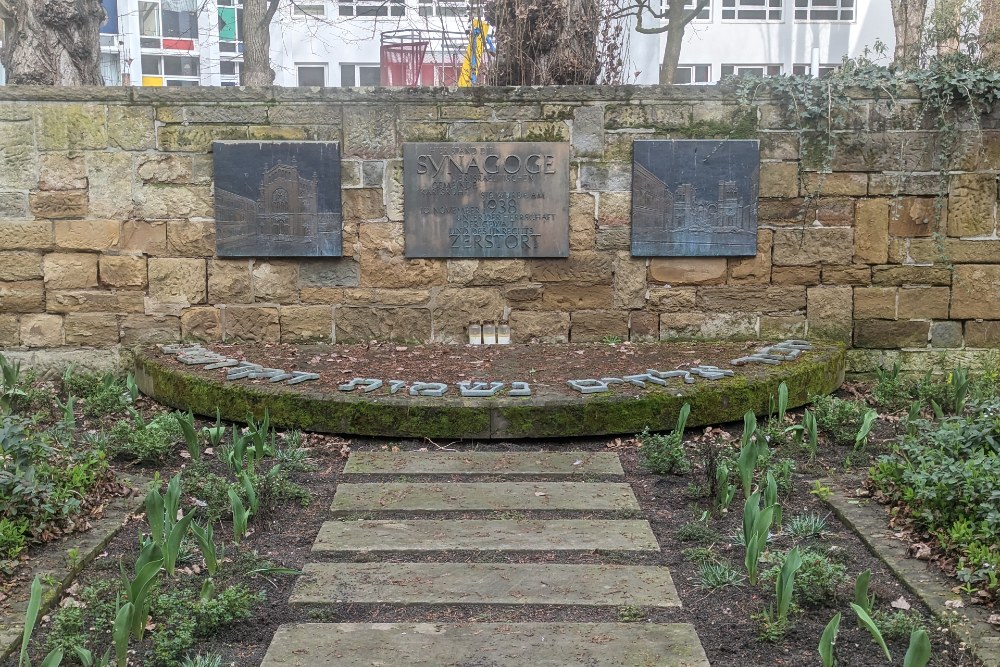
<point>393,8</point>
<point>767,8</point>
<point>839,9</point>
<point>323,66</point>
<point>356,77</point>
<point>693,67</point>
<point>764,66</point>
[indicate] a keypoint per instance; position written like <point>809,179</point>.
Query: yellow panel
<point>152,80</point>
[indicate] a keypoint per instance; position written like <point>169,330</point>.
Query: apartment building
<point>423,42</point>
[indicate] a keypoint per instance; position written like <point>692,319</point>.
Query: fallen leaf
<point>901,603</point>
<point>954,604</point>
<point>994,619</point>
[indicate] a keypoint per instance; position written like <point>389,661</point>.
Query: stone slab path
<point>453,582</point>
<point>477,535</point>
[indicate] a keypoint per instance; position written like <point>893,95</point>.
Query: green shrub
<point>146,442</point>
<point>718,575</point>
<point>12,539</point>
<point>664,454</point>
<point>817,581</point>
<point>898,625</point>
<point>211,489</point>
<point>945,476</point>
<point>100,394</point>
<point>838,418</point>
<point>697,531</point>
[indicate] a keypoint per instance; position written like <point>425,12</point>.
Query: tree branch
<point>272,7</point>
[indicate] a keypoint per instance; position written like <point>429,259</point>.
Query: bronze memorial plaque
<point>508,199</point>
<point>277,198</point>
<point>695,198</point>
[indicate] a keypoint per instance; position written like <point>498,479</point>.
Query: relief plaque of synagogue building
<point>695,198</point>
<point>505,199</point>
<point>277,199</point>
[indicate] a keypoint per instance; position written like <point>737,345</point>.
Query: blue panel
<point>110,27</point>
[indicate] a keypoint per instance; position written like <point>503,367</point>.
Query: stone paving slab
<point>486,496</point>
<point>569,464</point>
<point>493,644</point>
<point>485,583</point>
<point>563,535</point>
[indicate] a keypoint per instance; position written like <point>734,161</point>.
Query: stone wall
<point>107,239</point>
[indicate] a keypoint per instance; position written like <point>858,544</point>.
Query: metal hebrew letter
<point>428,389</point>
<point>366,384</point>
<point>479,389</point>
<point>396,385</point>
<point>588,386</point>
<point>519,389</point>
<point>299,377</point>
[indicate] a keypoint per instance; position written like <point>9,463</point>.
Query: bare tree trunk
<point>257,15</point>
<point>53,42</point>
<point>675,39</point>
<point>908,20</point>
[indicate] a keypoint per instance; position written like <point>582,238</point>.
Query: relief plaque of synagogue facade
<point>277,199</point>
<point>695,198</point>
<point>506,199</point>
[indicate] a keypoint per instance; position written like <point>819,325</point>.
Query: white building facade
<point>424,42</point>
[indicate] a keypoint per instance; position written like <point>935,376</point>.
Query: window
<point>229,68</point>
<point>309,10</point>
<point>180,18</point>
<point>805,70</point>
<point>312,75</point>
<point>111,69</point>
<point>751,10</point>
<point>824,10</point>
<point>176,21</point>
<point>149,19</point>
<point>751,70</point>
<point>693,74</point>
<point>704,15</point>
<point>360,75</point>
<point>372,7</point>
<point>169,70</point>
<point>459,8</point>
<point>110,25</point>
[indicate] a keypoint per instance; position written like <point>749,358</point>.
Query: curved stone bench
<point>543,415</point>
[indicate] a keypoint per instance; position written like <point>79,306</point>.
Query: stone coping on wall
<point>542,415</point>
<point>430,95</point>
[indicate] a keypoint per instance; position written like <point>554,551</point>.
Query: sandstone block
<point>383,263</point>
<point>300,324</point>
<point>463,112</point>
<point>94,301</point>
<point>111,189</point>
<point>773,327</point>
<point>753,298</point>
<point>25,235</point>
<point>173,201</point>
<point>924,303</point>
<point>602,177</point>
<point>847,275</point>
<point>176,280</point>
<point>203,324</point>
<point>141,236</point>
<point>903,184</point>
<point>87,234</point>
<point>454,309</point>
<point>191,238</point>
<point>591,326</point>
<point>980,333</point>
<point>795,275</point>
<point>688,270</point>
<point>13,204</point>
<point>875,303</point>
<point>10,335</point>
<point>279,133</point>
<point>423,132</point>
<point>58,204</point>
<point>532,327</point>
<point>18,158</point>
<point>871,231</point>
<point>334,272</point>
<point>91,329</point>
<point>946,334</point>
<point>911,275</point>
<point>362,324</point>
<point>71,126</point>
<point>197,138</point>
<point>643,327</point>
<point>252,324</point>
<point>122,270</point>
<point>60,171</point>
<point>386,297</point>
<point>581,268</point>
<point>681,326</point>
<point>829,312</point>
<point>629,281</point>
<point>813,245</point>
<point>582,221</point>
<point>954,251</point>
<point>588,129</point>
<point>314,113</point>
<point>70,270</point>
<point>971,200</point>
<point>917,216</point>
<point>16,266</point>
<point>567,297</point>
<point>165,168</point>
<point>364,204</point>
<point>779,179</point>
<point>888,334</point>
<point>756,269</point>
<point>975,292</point>
<point>524,292</point>
<point>321,295</point>
<point>22,296</point>
<point>149,330</point>
<point>614,208</point>
<point>836,184</point>
<point>130,128</point>
<point>494,272</point>
<point>370,132</point>
<point>276,281</point>
<point>41,330</point>
<point>672,299</point>
<point>229,281</point>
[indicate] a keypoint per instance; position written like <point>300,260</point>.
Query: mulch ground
<point>546,367</point>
